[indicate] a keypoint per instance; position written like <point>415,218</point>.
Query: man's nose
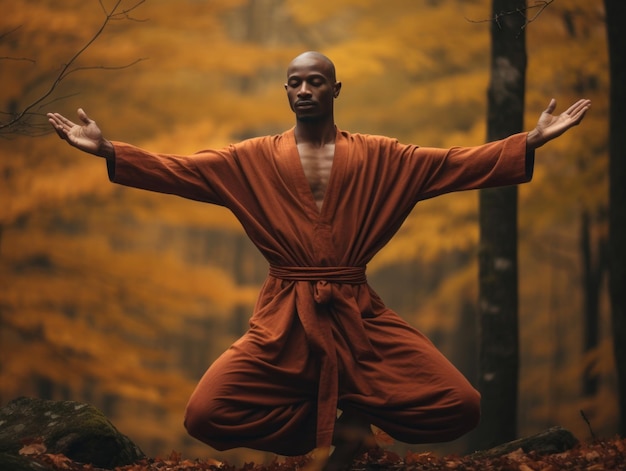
<point>304,90</point>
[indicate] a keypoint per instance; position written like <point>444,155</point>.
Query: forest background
<point>123,298</point>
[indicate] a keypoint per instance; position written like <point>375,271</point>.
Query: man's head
<point>312,86</point>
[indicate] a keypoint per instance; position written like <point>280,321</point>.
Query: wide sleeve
<point>203,176</point>
<point>430,172</point>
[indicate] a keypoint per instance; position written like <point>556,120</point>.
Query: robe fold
<point>320,338</point>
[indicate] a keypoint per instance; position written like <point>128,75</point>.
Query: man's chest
<point>317,164</point>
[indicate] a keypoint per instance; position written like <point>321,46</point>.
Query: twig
<point>104,67</point>
<point>66,70</point>
<point>11,31</point>
<point>17,59</point>
<point>539,5</point>
<point>593,435</point>
<point>8,58</point>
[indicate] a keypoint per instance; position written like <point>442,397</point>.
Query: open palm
<point>550,126</point>
<point>86,136</point>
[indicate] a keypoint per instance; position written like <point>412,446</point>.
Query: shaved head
<point>314,56</point>
<point>312,87</point>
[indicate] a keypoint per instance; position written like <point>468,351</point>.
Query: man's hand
<point>86,137</point>
<point>550,126</point>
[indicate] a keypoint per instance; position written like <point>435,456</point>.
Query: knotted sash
<point>323,277</point>
<point>315,308</point>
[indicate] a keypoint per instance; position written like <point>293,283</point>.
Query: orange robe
<point>320,339</point>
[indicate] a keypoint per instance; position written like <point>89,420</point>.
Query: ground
<point>594,456</point>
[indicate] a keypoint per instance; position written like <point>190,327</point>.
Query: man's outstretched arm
<point>86,136</point>
<point>550,126</point>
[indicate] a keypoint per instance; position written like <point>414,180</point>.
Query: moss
<point>77,430</point>
<point>20,463</point>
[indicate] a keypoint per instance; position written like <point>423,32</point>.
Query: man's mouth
<point>304,104</point>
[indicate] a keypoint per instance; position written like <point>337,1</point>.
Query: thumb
<point>83,116</point>
<point>551,106</point>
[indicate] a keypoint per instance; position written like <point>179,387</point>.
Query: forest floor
<point>599,455</point>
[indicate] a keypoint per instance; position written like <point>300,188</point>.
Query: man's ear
<point>337,89</point>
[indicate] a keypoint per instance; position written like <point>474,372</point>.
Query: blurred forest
<point>123,298</point>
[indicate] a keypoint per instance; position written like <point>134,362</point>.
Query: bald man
<point>319,203</point>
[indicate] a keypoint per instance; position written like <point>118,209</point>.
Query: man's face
<point>311,87</point>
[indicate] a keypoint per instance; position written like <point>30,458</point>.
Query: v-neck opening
<point>302,184</point>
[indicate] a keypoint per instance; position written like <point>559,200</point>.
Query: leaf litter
<point>599,455</point>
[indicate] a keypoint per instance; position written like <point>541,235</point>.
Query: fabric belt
<point>323,276</point>
<point>316,319</point>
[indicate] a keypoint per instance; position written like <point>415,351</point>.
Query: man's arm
<point>86,137</point>
<point>205,176</point>
<point>550,126</point>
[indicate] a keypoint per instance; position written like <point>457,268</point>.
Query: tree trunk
<point>498,304</point>
<point>594,268</point>
<point>615,20</point>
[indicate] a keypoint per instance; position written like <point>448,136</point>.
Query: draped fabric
<point>317,325</point>
<point>320,337</point>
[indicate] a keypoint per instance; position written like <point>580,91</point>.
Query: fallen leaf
<point>36,448</point>
<point>517,455</point>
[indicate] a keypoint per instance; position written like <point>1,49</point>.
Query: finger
<point>62,120</point>
<point>58,127</point>
<point>55,121</point>
<point>551,106</point>
<point>578,106</point>
<point>582,106</point>
<point>83,116</point>
<point>577,111</point>
<point>581,109</point>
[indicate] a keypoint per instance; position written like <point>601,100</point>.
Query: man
<point>319,203</point>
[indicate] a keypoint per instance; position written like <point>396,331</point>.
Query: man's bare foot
<point>353,436</point>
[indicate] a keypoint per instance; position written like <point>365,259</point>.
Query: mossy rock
<point>553,440</point>
<point>10,462</point>
<point>77,430</point>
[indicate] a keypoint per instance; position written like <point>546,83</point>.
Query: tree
<point>594,268</point>
<point>20,118</point>
<point>498,292</point>
<point>131,274</point>
<point>615,17</point>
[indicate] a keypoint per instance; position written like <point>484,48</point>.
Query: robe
<point>320,338</point>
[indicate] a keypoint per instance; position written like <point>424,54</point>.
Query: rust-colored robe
<point>320,338</point>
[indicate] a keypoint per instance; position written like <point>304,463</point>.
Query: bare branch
<point>17,59</point>
<point>26,126</point>
<point>54,100</point>
<point>105,67</point>
<point>126,13</point>
<point>20,123</point>
<point>11,31</point>
<point>538,7</point>
<point>8,58</point>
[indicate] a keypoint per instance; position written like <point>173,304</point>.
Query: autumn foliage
<point>123,298</point>
<point>606,455</point>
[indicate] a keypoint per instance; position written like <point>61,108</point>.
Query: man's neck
<point>317,133</point>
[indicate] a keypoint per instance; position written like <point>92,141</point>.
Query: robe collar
<point>301,185</point>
